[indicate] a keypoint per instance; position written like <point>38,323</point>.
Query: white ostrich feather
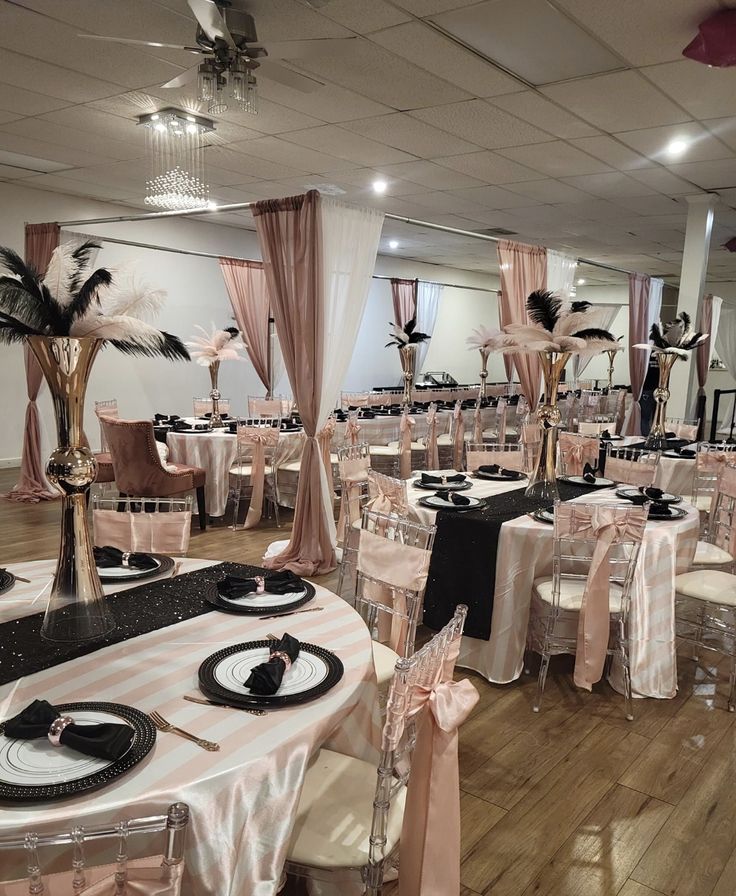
<point>61,272</point>
<point>219,345</point>
<point>484,337</point>
<point>130,296</point>
<point>119,327</point>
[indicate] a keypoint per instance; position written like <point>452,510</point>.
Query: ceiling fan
<point>226,36</point>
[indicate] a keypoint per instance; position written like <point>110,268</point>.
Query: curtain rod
<point>238,206</point>
<point>113,239</point>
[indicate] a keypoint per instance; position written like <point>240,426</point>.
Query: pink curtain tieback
<point>324,439</point>
<point>430,836</point>
<point>259,441</point>
<point>405,428</point>
<point>594,620</point>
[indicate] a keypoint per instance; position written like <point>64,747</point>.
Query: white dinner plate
<point>666,498</point>
<point>441,504</point>
<point>126,572</point>
<point>600,481</point>
<point>266,599</point>
<point>450,486</point>
<point>232,671</point>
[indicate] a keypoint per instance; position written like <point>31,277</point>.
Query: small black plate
<point>630,493</point>
<point>166,564</point>
<point>244,607</point>
<point>450,486</point>
<point>673,513</point>
<point>544,516</point>
<point>498,477</point>
<point>7,580</point>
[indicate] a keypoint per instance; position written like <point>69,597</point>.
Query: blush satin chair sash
<point>142,878</point>
<point>352,429</point>
<point>352,473</point>
<point>430,835</point>
<point>577,452</point>
<point>149,533</point>
<point>258,438</point>
<point>608,525</point>
<point>458,436</point>
<point>324,440</point>
<point>629,472</point>
<point>433,451</point>
<point>387,495</point>
<point>405,429</point>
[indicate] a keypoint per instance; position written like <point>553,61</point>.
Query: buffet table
<point>242,798</point>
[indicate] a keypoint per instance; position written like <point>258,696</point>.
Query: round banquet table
<point>242,798</point>
<point>525,552</point>
<point>675,475</point>
<point>214,452</point>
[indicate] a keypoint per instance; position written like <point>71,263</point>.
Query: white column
<point>692,286</point>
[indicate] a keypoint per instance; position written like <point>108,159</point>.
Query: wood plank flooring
<point>574,801</point>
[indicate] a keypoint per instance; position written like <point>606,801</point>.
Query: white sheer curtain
<point>350,238</point>
<point>602,316</point>
<point>561,274</point>
<point>726,349</point>
<point>428,306</point>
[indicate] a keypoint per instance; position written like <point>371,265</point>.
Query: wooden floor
<point>575,801</point>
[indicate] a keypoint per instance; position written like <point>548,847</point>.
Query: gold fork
<point>160,722</point>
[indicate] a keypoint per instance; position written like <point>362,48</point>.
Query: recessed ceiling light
<point>581,281</point>
<point>393,244</point>
<point>677,147</point>
<point>379,186</point>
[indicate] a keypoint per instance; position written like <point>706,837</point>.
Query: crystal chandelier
<point>237,83</point>
<point>175,142</point>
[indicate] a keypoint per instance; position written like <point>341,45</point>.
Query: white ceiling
<point>577,164</point>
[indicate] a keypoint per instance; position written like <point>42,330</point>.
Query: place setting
<point>662,504</point>
<point>453,482</point>
<point>114,565</point>
<point>273,593</point>
<point>449,499</point>
<point>590,477</point>
<point>7,580</point>
<point>497,473</point>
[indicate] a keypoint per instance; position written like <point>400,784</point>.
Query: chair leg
<point>541,681</point>
<point>732,686</point>
<point>201,508</point>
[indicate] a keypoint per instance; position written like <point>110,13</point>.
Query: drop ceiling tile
<point>728,196</point>
<point>612,152</point>
<point>430,50</point>
<point>22,71</point>
<point>489,167</point>
<point>643,33</point>
<point>653,142</point>
<point>483,124</point>
<point>69,137</point>
<point>129,105</point>
<point>544,114</point>
<point>330,104</point>
<point>357,15</point>
<point>26,102</point>
<point>610,186</point>
<point>705,92</point>
<point>724,129</point>
<point>60,184</point>
<point>548,191</point>
<point>280,152</point>
<point>555,159</point>
<point>429,7</point>
<point>404,132</point>
<point>252,167</point>
<point>597,210</point>
<point>429,175</point>
<point>664,181</point>
<point>650,205</point>
<point>6,117</point>
<point>708,175</point>
<point>446,202</point>
<point>619,101</point>
<point>342,144</point>
<point>41,150</point>
<point>359,181</point>
<point>382,76</point>
<point>10,172</point>
<point>497,197</point>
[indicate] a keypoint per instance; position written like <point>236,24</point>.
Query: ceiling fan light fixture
<point>243,87</point>
<point>206,82</point>
<point>218,105</point>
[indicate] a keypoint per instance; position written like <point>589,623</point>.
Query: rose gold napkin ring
<point>57,727</point>
<point>284,657</point>
<point>126,559</point>
<point>260,584</point>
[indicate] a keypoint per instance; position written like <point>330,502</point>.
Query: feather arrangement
<point>406,335</point>
<point>677,337</point>
<point>72,300</point>
<point>484,338</point>
<point>219,345</point>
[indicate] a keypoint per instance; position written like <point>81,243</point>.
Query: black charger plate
<point>165,565</point>
<point>245,606</point>
<point>7,580</point>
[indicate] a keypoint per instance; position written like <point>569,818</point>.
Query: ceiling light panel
<point>529,38</point>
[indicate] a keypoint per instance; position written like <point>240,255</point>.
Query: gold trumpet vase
<point>76,609</point>
<point>408,356</point>
<point>657,438</point>
<point>484,352</point>
<point>543,481</point>
<point>215,418</point>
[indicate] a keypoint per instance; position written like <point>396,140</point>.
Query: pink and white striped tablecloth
<point>242,798</point>
<point>525,553</point>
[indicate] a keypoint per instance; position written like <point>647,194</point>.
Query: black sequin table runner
<point>462,568</point>
<point>137,611</point>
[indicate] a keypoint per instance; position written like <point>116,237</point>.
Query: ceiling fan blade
<point>287,77</point>
<point>140,43</point>
<point>211,20</point>
<point>300,49</point>
<point>183,79</point>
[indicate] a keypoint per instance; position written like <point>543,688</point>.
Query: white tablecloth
<point>242,798</point>
<point>213,452</point>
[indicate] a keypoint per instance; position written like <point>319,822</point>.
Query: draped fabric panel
<point>603,316</point>
<point>709,315</point>
<point>561,274</point>
<point>523,269</point>
<point>428,306</point>
<point>40,242</point>
<point>404,294</point>
<point>318,257</point>
<point>246,286</point>
<point>508,360</point>
<point>645,301</point>
<point>726,348</point>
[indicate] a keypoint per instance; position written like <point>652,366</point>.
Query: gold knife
<point>253,712</point>
<point>293,613</point>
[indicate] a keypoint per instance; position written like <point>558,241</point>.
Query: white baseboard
<point>6,462</point>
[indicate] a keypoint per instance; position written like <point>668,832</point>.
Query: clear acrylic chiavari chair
<point>150,525</point>
<point>353,464</point>
<point>631,466</point>
<point>508,456</point>
<point>683,428</point>
<point>710,458</point>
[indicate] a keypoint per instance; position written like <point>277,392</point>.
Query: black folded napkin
<point>105,741</point>
<point>605,435</point>
<point>265,678</point>
<point>589,473</point>
<point>438,480</point>
<point>686,451</point>
<point>159,418</point>
<point>670,435</point>
<point>651,493</point>
<point>282,582</point>
<point>365,414</point>
<point>209,414</point>
<point>659,509</point>
<point>181,426</point>
<point>108,557</point>
<point>452,497</point>
<point>497,470</point>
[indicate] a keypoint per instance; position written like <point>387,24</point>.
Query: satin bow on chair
<point>258,439</point>
<point>405,429</point>
<point>352,428</point>
<point>324,440</point>
<point>430,836</point>
<point>433,452</point>
<point>477,425</point>
<point>608,525</point>
<point>458,436</point>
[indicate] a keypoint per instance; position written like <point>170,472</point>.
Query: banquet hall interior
<point>412,322</point>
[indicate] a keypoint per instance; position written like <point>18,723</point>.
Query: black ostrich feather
<point>87,294</point>
<point>543,308</point>
<point>170,347</point>
<point>685,318</point>
<point>81,256</point>
<point>16,301</point>
<point>693,341</point>
<point>233,331</point>
<point>14,330</point>
<point>594,333</point>
<point>655,336</point>
<point>579,306</point>
<point>416,336</point>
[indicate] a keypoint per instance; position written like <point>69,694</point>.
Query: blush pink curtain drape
<point>508,361</point>
<point>523,270</point>
<point>702,352</point>
<point>639,326</point>
<point>289,231</point>
<point>246,286</point>
<point>40,242</point>
<point>404,294</point>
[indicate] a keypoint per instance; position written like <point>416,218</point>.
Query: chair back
<point>722,523</point>
<point>267,407</point>
<point>710,460</point>
<point>153,526</point>
<point>387,494</point>
<point>108,408</point>
<point>576,451</point>
<point>631,466</point>
<point>160,874</point>
<point>354,399</point>
<point>392,563</point>
<point>683,428</point>
<point>201,406</point>
<point>509,456</point>
<point>135,457</point>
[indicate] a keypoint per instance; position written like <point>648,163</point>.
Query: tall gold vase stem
<point>215,418</point>
<point>543,481</point>
<point>76,609</point>
<point>482,393</point>
<point>408,357</point>
<point>657,438</point>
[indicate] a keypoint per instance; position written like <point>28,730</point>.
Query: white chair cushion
<point>707,554</point>
<point>293,466</point>
<point>163,451</point>
<point>445,439</point>
<point>571,593</point>
<point>333,818</point>
<point>384,451</point>
<point>712,585</point>
<point>703,502</point>
<point>384,659</point>
<point>245,470</point>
